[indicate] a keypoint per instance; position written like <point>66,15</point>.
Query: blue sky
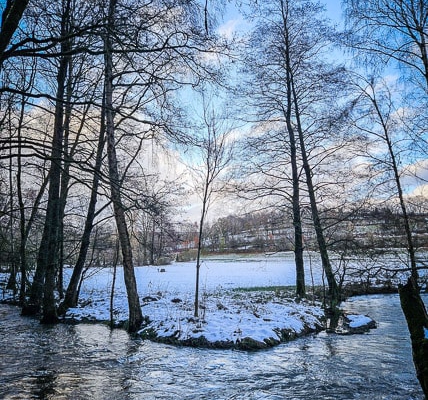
<point>334,10</point>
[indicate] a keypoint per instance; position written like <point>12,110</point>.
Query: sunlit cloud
<point>421,190</point>
<point>230,27</point>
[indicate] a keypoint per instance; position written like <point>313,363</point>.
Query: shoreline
<point>247,320</point>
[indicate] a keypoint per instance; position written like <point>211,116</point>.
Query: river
<point>91,362</point>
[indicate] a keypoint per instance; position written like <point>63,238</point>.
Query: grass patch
<point>265,289</point>
<point>312,293</point>
<point>266,293</point>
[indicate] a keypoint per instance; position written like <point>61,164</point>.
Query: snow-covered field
<point>221,272</point>
<point>226,315</point>
<point>244,300</point>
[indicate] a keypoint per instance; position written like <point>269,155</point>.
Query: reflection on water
<point>90,361</point>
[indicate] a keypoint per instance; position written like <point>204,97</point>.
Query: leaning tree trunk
<point>293,99</point>
<point>417,322</point>
<point>72,292</point>
<point>25,225</point>
<point>11,18</point>
<point>65,177</point>
<point>395,169</point>
<point>333,288</point>
<point>135,314</point>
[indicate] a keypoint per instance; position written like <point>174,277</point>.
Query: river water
<point>92,362</point>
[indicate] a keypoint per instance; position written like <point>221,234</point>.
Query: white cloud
<point>416,174</point>
<point>421,190</point>
<point>230,27</point>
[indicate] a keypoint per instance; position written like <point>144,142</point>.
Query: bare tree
<point>71,295</point>
<point>135,317</point>
<point>44,278</point>
<point>293,83</point>
<point>397,31</point>
<point>390,30</point>
<point>215,154</point>
<point>148,50</point>
<point>377,116</point>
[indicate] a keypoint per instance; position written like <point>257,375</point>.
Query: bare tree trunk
<point>411,301</point>
<point>23,238</point>
<point>417,322</point>
<point>71,294</point>
<point>135,314</point>
<point>25,224</point>
<point>395,169</point>
<point>200,238</point>
<point>43,286</point>
<point>65,178</point>
<point>12,281</point>
<point>333,289</point>
<point>113,283</point>
<point>297,218</point>
<point>48,253</point>
<point>152,244</point>
<point>293,103</point>
<point>10,20</point>
<point>216,155</point>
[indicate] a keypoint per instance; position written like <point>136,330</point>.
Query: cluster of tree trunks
<point>70,39</point>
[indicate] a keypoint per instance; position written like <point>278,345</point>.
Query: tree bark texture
<point>417,321</point>
<point>135,314</point>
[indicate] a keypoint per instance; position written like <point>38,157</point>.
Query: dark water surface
<point>92,362</point>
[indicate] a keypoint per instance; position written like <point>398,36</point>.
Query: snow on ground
<point>357,321</point>
<point>222,272</point>
<point>228,312</point>
<point>239,299</point>
<point>232,316</point>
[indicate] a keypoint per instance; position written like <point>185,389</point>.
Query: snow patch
<point>357,321</point>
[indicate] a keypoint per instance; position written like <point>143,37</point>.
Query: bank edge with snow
<point>244,321</point>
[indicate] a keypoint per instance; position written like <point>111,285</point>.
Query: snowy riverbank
<point>244,302</point>
<point>242,319</point>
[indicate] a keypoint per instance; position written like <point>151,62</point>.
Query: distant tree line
<point>273,231</point>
